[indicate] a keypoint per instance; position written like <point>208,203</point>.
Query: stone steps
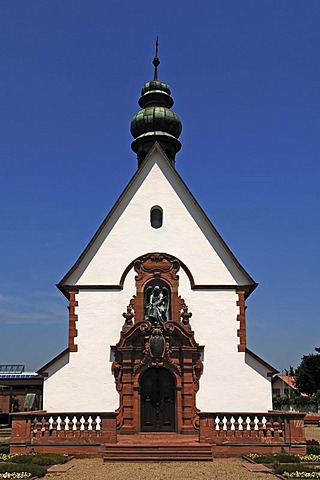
<point>175,450</point>
<point>5,432</point>
<point>156,438</point>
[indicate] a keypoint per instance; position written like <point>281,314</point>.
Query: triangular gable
<point>157,164</point>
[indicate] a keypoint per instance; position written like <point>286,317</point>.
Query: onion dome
<point>156,122</point>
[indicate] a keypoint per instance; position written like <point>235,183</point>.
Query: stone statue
<point>157,305</point>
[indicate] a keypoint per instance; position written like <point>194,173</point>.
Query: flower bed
<point>28,465</point>
<point>290,466</point>
<point>15,475</point>
<point>13,470</point>
<point>295,471</point>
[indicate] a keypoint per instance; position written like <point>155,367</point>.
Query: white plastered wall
<point>85,383</point>
<point>228,383</point>
<point>185,233</point>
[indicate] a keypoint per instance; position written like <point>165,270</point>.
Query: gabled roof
<point>249,286</point>
<point>269,367</point>
<point>288,379</point>
<point>43,370</point>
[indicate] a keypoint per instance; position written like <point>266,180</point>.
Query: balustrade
<point>68,424</point>
<point>273,427</point>
<point>266,425</point>
<point>87,432</point>
<point>35,429</point>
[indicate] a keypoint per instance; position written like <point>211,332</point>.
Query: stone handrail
<point>247,427</point>
<point>30,429</point>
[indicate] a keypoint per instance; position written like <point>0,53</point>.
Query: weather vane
<point>156,61</point>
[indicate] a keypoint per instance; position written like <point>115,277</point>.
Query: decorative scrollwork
<point>116,369</point>
<point>185,316</point>
<point>145,327</point>
<point>197,371</point>
<point>195,419</point>
<point>119,417</point>
<point>157,262</point>
<point>157,347</point>
<point>128,316</point>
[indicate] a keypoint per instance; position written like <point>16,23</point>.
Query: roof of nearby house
<point>288,379</point>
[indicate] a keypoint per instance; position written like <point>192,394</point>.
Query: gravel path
<point>312,432</point>
<point>219,469</point>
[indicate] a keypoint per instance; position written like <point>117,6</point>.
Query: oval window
<point>156,217</point>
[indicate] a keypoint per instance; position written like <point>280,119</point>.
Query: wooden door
<point>157,401</point>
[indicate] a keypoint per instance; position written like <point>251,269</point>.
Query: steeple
<point>156,62</point>
<point>156,122</point>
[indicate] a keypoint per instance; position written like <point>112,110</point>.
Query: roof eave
<point>272,370</point>
<point>42,370</point>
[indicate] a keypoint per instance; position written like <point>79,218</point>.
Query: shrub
<point>35,470</point>
<point>313,449</point>
<point>287,458</point>
<point>275,457</point>
<point>312,442</point>
<point>40,458</point>
<point>4,448</point>
<point>280,469</point>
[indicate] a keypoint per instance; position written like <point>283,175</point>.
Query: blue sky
<point>245,79</point>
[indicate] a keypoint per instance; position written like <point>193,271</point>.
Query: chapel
<point>157,302</point>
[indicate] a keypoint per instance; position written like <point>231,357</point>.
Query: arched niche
<point>157,300</point>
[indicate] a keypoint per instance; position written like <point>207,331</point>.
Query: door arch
<point>158,400</point>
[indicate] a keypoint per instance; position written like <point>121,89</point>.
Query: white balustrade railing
<point>64,423</point>
<point>242,424</point>
<point>239,423</point>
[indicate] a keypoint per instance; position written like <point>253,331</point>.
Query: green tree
<point>291,371</point>
<point>308,374</point>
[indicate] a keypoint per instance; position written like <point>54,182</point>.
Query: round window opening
<point>156,217</point>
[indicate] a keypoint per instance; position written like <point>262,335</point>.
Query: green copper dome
<point>156,122</point>
<point>156,118</point>
<point>156,85</point>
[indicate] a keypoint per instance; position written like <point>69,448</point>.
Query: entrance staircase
<point>5,432</point>
<point>154,447</point>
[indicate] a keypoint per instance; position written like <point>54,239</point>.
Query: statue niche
<point>157,303</point>
<point>156,314</point>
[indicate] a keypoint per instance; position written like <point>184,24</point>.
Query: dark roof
<point>43,369</point>
<point>263,362</point>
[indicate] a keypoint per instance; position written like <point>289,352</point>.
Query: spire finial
<point>156,122</point>
<point>156,61</point>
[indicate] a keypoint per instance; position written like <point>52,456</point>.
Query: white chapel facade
<point>157,328</point>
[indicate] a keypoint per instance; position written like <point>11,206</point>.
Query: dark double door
<point>157,401</point>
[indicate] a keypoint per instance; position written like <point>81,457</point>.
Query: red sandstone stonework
<point>241,317</point>
<point>73,332</point>
<point>182,354</point>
